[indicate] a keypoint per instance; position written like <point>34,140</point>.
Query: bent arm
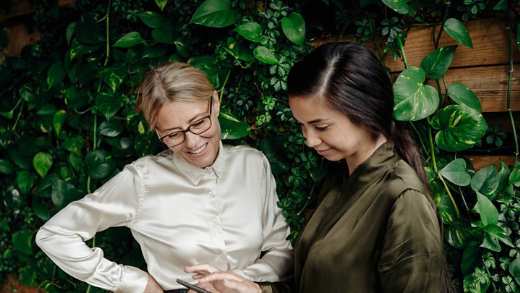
<point>63,237</point>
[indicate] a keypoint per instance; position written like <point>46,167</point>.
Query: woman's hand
<point>200,271</point>
<point>226,282</point>
<point>152,286</point>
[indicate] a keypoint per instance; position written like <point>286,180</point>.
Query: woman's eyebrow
<point>189,121</point>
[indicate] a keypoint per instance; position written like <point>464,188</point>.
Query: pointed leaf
<point>413,100</point>
<point>462,95</point>
<point>456,29</point>
<point>98,164</point>
<point>57,121</point>
<point>514,176</point>
<point>486,181</point>
<point>6,167</point>
<point>251,31</point>
<point>24,181</point>
<point>108,105</point>
<point>110,128</point>
<point>42,162</point>
<point>215,13</point>
<point>232,128</point>
<point>460,128</point>
<point>293,27</point>
<point>129,40</point>
<point>437,62</point>
<point>63,192</point>
<point>514,269</point>
<point>153,19</point>
<point>55,75</point>
<point>456,172</point>
<point>265,55</point>
<point>399,6</point>
<point>161,4</point>
<point>487,211</point>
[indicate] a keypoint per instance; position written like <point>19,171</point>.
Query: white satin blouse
<point>225,215</point>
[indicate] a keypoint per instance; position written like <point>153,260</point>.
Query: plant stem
<point>509,31</point>
<point>447,5</point>
<point>107,36</point>
<point>221,91</point>
<point>439,174</point>
<point>423,146</point>
<point>403,54</point>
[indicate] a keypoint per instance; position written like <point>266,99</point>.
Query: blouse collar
<point>194,173</point>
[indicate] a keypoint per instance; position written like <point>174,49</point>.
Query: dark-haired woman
<point>375,229</point>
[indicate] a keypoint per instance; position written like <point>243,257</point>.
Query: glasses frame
<point>183,131</point>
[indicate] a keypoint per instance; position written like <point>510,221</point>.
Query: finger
<point>221,276</point>
<point>202,267</point>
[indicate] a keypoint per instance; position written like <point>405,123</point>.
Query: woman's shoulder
<point>244,152</point>
<point>403,178</point>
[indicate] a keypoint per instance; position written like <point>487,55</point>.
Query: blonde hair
<point>170,82</point>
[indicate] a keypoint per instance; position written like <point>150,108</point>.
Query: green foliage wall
<point>67,119</point>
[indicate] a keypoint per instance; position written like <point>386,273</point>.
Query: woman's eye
<point>321,127</point>
<point>173,135</point>
<point>198,123</point>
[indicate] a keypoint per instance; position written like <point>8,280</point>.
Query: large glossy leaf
<point>63,192</point>
<point>265,55</point>
<point>58,120</point>
<point>437,62</point>
<point>457,172</point>
<point>24,181</point>
<point>153,19</point>
<point>215,13</point>
<point>98,164</point>
<point>110,128</point>
<point>293,27</point>
<point>399,6</point>
<point>22,241</point>
<point>251,31</point>
<point>486,181</point>
<point>460,128</point>
<point>208,65</point>
<point>129,40</point>
<point>74,144</point>
<point>113,77</point>
<point>41,210</point>
<point>487,211</point>
<point>462,95</point>
<point>456,29</point>
<point>232,128</point>
<point>55,75</point>
<point>6,167</point>
<point>412,98</point>
<point>108,105</point>
<point>42,162</point>
<point>514,176</point>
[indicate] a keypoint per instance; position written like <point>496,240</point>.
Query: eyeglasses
<point>177,137</point>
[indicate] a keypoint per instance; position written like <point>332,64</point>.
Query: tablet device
<point>192,286</point>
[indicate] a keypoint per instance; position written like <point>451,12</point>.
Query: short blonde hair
<point>172,81</point>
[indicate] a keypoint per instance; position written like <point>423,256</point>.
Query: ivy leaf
<point>514,176</point>
<point>74,144</point>
<point>208,65</point>
<point>42,162</point>
<point>232,128</point>
<point>399,6</point>
<point>514,269</point>
<point>108,105</point>
<point>75,161</point>
<point>63,192</point>
<point>456,172</point>
<point>113,77</point>
<point>413,99</point>
<point>462,95</point>
<point>6,167</point>
<point>129,40</point>
<point>456,29</point>
<point>215,13</point>
<point>22,241</point>
<point>486,181</point>
<point>24,181</point>
<point>501,6</point>
<point>110,128</point>
<point>293,27</point>
<point>69,33</point>
<point>57,121</point>
<point>491,242</point>
<point>437,62</point>
<point>55,75</point>
<point>487,211</point>
<point>161,4</point>
<point>98,164</point>
<point>469,259</point>
<point>460,128</point>
<point>251,31</point>
<point>153,20</point>
<point>41,211</point>
<point>265,55</point>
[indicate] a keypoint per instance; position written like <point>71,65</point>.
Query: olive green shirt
<point>376,231</point>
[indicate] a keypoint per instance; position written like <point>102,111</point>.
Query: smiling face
<point>200,150</point>
<point>330,132</point>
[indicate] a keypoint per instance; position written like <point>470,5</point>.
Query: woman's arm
<point>63,237</point>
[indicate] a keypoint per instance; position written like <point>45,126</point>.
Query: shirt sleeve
<point>63,237</point>
<point>412,258</point>
<point>276,260</point>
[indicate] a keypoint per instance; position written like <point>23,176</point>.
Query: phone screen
<point>192,286</point>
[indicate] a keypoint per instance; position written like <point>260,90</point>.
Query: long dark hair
<point>356,83</point>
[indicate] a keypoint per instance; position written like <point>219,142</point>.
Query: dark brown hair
<point>356,83</point>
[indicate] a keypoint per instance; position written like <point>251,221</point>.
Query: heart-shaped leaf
<point>55,75</point>
<point>437,62</point>
<point>208,65</point>
<point>251,31</point>
<point>456,29</point>
<point>293,27</point>
<point>232,128</point>
<point>456,172</point>
<point>63,192</point>
<point>215,13</point>
<point>110,128</point>
<point>153,19</point>
<point>412,98</point>
<point>161,4</point>
<point>57,121</point>
<point>24,181</point>
<point>487,211</point>
<point>42,162</point>
<point>129,40</point>
<point>265,55</point>
<point>98,164</point>
<point>486,181</point>
<point>462,95</point>
<point>74,144</point>
<point>108,105</point>
<point>460,128</point>
<point>6,167</point>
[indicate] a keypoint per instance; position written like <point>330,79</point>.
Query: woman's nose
<point>311,140</point>
<point>191,140</point>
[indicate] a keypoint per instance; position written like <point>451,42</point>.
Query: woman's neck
<point>365,150</point>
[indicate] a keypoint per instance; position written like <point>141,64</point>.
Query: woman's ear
<point>216,102</point>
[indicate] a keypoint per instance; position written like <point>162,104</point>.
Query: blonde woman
<point>199,206</point>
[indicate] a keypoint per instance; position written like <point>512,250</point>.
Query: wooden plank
<point>490,84</point>
<point>489,45</point>
<point>480,161</point>
<point>18,38</point>
<point>24,7</point>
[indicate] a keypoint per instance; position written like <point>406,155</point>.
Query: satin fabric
<point>225,215</point>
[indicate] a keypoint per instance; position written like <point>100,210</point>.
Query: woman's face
<point>200,150</point>
<point>328,131</point>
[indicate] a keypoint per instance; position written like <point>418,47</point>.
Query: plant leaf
<point>456,172</point>
<point>110,128</point>
<point>108,105</point>
<point>437,62</point>
<point>251,31</point>
<point>129,40</point>
<point>55,75</point>
<point>399,6</point>
<point>487,211</point>
<point>413,99</point>
<point>161,4</point>
<point>456,29</point>
<point>462,95</point>
<point>514,269</point>
<point>98,164</point>
<point>486,181</point>
<point>293,27</point>
<point>57,121</point>
<point>265,55</point>
<point>153,19</point>
<point>24,181</point>
<point>460,128</point>
<point>6,167</point>
<point>514,176</point>
<point>215,13</point>
<point>22,241</point>
<point>63,192</point>
<point>42,162</point>
<point>232,128</point>
<point>163,35</point>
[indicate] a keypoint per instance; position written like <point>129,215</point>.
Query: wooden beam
<point>480,161</point>
<point>24,7</point>
<point>18,38</point>
<point>489,45</point>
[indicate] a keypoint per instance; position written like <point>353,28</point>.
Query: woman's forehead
<point>180,114</point>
